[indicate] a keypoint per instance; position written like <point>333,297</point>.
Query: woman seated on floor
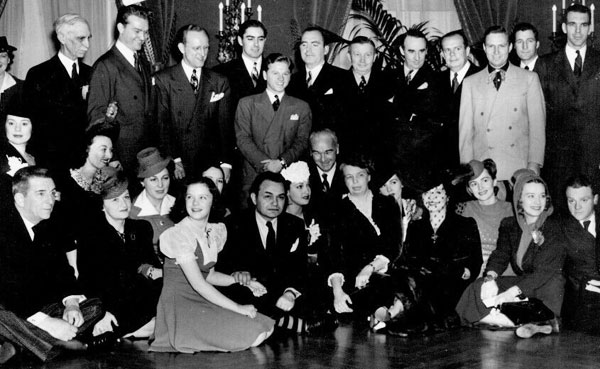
<point>442,255</point>
<point>192,315</point>
<point>487,210</point>
<point>532,243</point>
<point>117,263</point>
<point>215,173</point>
<point>365,239</point>
<point>154,203</point>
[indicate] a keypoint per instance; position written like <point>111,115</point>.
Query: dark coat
<point>108,269</point>
<point>197,128</point>
<point>115,79</point>
<point>240,80</point>
<point>582,251</point>
<point>323,96</point>
<point>7,95</point>
<point>321,200</point>
<point>33,274</point>
<point>59,110</point>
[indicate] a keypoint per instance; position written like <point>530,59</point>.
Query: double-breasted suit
<point>115,79</point>
<point>59,110</point>
<point>263,133</point>
<point>195,127</point>
<point>506,125</point>
<point>573,108</point>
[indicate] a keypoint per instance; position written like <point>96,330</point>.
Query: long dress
<point>185,320</point>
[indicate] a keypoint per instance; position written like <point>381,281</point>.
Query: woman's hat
<point>114,183</point>
<point>151,162</point>
<point>4,46</point>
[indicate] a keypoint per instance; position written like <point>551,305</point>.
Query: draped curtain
<point>477,15</point>
<point>441,15</point>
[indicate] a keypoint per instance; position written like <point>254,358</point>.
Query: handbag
<point>528,311</point>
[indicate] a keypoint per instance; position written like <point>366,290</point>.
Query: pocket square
<point>329,92</point>
<point>216,97</point>
<point>423,86</point>
<point>294,117</point>
<point>295,245</point>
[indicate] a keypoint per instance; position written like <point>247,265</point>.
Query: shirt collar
<point>29,227</point>
<point>7,83</point>
<point>407,69</point>
<point>504,68</point>
<point>249,63</point>
<point>329,174</point>
<point>461,73</point>
<point>127,52</point>
<point>272,95</point>
<point>68,63</point>
<point>571,54</point>
<point>147,209</point>
<point>262,227</point>
<point>188,70</point>
<point>531,63</point>
<point>358,76</point>
<point>314,73</point>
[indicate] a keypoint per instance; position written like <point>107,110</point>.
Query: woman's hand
<point>105,324</point>
<point>341,301</point>
<point>248,310</point>
<point>362,279</point>
<point>257,288</point>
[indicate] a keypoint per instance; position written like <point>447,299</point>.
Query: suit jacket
<point>59,110</point>
<point>322,95</point>
<point>507,125</point>
<point>115,79</point>
<point>194,127</point>
<point>284,267</point>
<point>263,133</point>
<point>582,251</point>
<point>319,198</point>
<point>35,273</point>
<point>240,80</point>
<point>573,108</point>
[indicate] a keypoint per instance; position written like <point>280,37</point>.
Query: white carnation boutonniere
<point>538,237</point>
<point>15,164</point>
<point>314,232</point>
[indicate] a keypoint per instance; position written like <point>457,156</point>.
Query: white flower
<point>15,164</point>
<point>296,172</point>
<point>314,232</point>
<point>538,237</point>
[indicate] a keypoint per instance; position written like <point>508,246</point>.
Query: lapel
<point>563,70</point>
<point>321,84</point>
<point>202,99</point>
<point>489,91</point>
<point>185,96</point>
<point>254,234</point>
<point>265,109</point>
<point>120,58</point>
<point>590,65</point>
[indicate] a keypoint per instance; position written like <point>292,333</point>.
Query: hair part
<point>415,33</point>
<point>277,58</point>
<point>523,26</point>
<point>577,8</point>
<point>251,23</point>
<point>20,181</point>
<point>359,160</point>
<point>183,31</point>
<point>217,211</point>
<point>578,181</point>
<point>495,30</point>
<point>69,19</point>
<point>326,132</point>
<point>457,32</point>
<point>268,176</point>
<point>126,11</point>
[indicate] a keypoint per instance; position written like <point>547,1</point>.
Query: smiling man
<point>194,113</point>
<point>271,128</point>
<point>502,112</point>
<point>57,93</point>
<point>122,74</point>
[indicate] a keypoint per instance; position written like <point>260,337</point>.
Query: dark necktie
<point>526,67</point>
<point>363,85</point>
<point>255,75</point>
<point>74,74</point>
<point>309,79</point>
<point>408,77</point>
<point>325,183</point>
<point>276,103</point>
<point>586,225</point>
<point>454,83</point>
<point>498,79</point>
<point>270,237</point>
<point>136,62</point>
<point>578,64</point>
<point>122,235</point>
<point>194,81</point>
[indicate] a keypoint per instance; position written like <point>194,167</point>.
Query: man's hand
<point>105,324</point>
<point>179,171</point>
<point>535,167</point>
<point>248,310</point>
<point>58,328</point>
<point>73,315</point>
<point>242,278</point>
<point>341,301</point>
<point>257,288</point>
<point>286,302</point>
<point>272,165</point>
<point>362,279</point>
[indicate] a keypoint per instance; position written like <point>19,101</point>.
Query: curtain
<point>162,29</point>
<point>477,15</point>
<point>441,15</point>
<point>27,25</point>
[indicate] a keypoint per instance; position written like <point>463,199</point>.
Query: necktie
<point>454,83</point>
<point>363,85</point>
<point>409,77</point>
<point>309,79</point>
<point>74,74</point>
<point>276,103</point>
<point>194,81</point>
<point>325,183</point>
<point>136,62</point>
<point>255,75</point>
<point>498,79</point>
<point>122,235</point>
<point>526,67</point>
<point>270,237</point>
<point>586,225</point>
<point>578,65</point>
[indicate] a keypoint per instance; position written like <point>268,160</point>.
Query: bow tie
<point>492,75</point>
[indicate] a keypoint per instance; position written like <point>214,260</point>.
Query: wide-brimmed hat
<point>114,183</point>
<point>151,162</point>
<point>4,46</point>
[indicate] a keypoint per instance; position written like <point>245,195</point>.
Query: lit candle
<point>553,18</point>
<point>583,2</point>
<point>221,17</point>
<point>564,4</point>
<point>226,2</point>
<point>592,8</point>
<point>243,12</point>
<point>249,4</point>
<point>259,10</point>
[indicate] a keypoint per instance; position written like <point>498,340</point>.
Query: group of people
<point>204,208</point>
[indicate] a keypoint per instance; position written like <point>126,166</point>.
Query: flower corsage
<point>538,237</point>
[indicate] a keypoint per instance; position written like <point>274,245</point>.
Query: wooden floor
<point>355,347</point>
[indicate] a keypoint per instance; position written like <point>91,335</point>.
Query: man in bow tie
<point>194,112</point>
<point>502,112</point>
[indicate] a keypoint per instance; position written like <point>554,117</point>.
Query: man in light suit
<point>122,74</point>
<point>502,112</point>
<point>193,109</point>
<point>271,128</point>
<point>318,82</point>
<point>57,92</point>
<point>570,82</point>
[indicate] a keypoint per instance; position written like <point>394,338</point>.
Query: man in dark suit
<point>318,82</point>
<point>569,80</point>
<point>271,128</point>
<point>122,75</point>
<point>57,92</point>
<point>35,276</point>
<point>455,51</point>
<point>581,306</point>
<point>525,39</point>
<point>326,178</point>
<point>245,73</point>
<point>269,245</point>
<point>193,109</point>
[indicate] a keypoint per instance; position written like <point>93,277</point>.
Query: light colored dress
<point>185,320</point>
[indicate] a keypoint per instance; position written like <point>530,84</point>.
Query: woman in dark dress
<point>533,244</point>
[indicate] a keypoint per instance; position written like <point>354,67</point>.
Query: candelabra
<point>231,16</point>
